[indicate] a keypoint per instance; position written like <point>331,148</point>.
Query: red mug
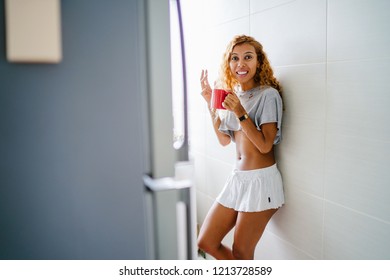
<point>217,97</point>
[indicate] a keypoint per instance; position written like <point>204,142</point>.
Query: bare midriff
<point>248,156</point>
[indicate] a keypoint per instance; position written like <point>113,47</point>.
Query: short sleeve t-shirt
<point>263,105</point>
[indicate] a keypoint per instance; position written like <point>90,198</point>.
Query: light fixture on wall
<point>33,31</point>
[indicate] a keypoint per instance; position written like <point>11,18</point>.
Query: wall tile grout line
<point>325,129</point>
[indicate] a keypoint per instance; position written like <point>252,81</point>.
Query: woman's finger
<point>204,79</point>
<point>203,75</point>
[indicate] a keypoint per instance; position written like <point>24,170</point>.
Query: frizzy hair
<point>264,75</point>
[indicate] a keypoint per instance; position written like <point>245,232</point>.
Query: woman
<point>254,190</point>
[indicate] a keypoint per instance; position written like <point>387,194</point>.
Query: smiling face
<point>243,64</point>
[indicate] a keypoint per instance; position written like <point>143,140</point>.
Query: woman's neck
<point>248,86</point>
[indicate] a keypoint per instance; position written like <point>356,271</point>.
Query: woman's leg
<point>219,221</point>
<point>249,229</point>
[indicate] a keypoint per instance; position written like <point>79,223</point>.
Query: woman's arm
<point>223,139</point>
<point>264,139</point>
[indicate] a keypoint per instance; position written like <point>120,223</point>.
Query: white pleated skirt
<point>253,190</point>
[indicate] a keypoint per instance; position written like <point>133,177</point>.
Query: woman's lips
<point>241,73</point>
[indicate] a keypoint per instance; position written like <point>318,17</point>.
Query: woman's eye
<point>247,57</point>
<point>234,58</point>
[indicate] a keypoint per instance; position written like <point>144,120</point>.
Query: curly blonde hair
<point>264,74</point>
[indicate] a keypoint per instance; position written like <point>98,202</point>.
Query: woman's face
<point>243,65</point>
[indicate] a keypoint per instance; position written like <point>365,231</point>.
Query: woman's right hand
<point>206,89</point>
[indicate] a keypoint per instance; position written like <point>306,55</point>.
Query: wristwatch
<point>243,117</point>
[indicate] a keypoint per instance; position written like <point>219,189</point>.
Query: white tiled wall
<point>333,60</point>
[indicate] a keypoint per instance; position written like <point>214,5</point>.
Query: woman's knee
<point>202,244</point>
<point>242,252</point>
<point>207,245</point>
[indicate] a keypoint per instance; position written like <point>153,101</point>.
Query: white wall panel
<point>216,175</point>
<point>221,11</point>
<point>200,172</point>
<point>294,33</point>
<point>300,222</point>
<point>303,147</point>
<point>257,6</point>
<point>358,29</point>
<point>357,154</point>
<point>304,89</point>
<point>352,235</point>
<point>271,247</point>
<point>197,131</point>
<point>301,157</point>
<point>355,176</point>
<point>213,149</point>
<point>358,97</point>
<point>203,204</point>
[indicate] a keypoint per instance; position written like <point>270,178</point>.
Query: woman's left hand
<point>232,103</point>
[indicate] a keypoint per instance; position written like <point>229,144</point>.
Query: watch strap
<point>243,117</point>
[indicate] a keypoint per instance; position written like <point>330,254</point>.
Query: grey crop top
<point>263,105</point>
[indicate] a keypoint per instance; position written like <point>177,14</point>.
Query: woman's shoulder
<point>269,91</point>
